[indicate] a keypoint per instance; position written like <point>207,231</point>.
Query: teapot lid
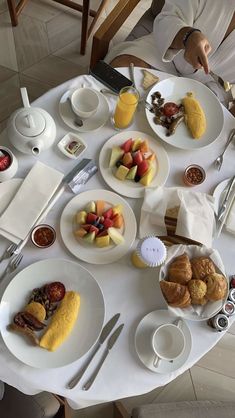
<point>30,122</point>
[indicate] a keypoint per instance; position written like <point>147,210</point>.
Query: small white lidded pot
<point>85,102</point>
<point>8,164</point>
<point>168,343</point>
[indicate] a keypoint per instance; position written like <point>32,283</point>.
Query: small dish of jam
<point>43,236</point>
<point>194,175</point>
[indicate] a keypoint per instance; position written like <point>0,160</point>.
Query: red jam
<point>43,236</point>
<point>194,175</point>
<point>5,160</point>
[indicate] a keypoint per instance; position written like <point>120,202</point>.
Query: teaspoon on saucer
<point>78,121</point>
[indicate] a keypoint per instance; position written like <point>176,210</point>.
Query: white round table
<point>130,291</point>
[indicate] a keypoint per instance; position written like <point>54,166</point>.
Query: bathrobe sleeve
<point>175,15</point>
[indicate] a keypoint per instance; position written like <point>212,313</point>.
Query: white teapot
<point>31,129</point>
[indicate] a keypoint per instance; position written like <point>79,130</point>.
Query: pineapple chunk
<point>148,177</point>
<point>102,241</point>
<point>122,172</point>
<point>81,217</point>
<point>117,209</point>
<point>136,144</point>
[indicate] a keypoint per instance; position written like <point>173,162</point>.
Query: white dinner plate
<point>91,124</point>
<point>89,252</point>
<point>173,90</point>
<point>90,318</point>
<point>143,347</point>
<point>8,190</point>
<point>128,187</point>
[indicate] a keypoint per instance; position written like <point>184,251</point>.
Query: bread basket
<point>193,312</point>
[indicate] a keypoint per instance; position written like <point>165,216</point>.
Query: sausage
<point>27,320</point>
<point>26,331</point>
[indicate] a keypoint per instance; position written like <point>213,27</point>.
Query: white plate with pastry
<point>143,335</point>
<point>193,282</point>
<point>174,89</point>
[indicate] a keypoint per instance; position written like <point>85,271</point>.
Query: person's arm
<point>170,27</point>
<point>196,47</point>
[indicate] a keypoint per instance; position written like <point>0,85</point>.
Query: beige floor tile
<point>180,389</point>
<point>3,6</point>
<point>146,398</point>
<point>34,87</point>
<point>71,53</point>
<point>104,410</point>
<point>5,73</point>
<point>31,41</point>
<point>41,10</point>
<point>53,70</point>
<point>221,358</point>
<point>9,97</point>
<point>8,54</point>
<point>212,386</point>
<point>63,29</point>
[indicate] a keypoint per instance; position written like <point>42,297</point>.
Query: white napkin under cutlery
<point>30,200</point>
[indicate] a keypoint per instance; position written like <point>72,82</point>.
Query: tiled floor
<point>41,52</point>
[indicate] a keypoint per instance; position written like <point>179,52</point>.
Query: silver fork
<point>9,251</point>
<point>12,265</point>
<point>219,160</point>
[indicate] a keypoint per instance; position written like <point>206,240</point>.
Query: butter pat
<point>62,322</point>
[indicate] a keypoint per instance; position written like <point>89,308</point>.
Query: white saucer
<point>143,345</point>
<point>94,122</point>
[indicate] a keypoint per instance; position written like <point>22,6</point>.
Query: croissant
<point>197,290</point>
<point>201,267</point>
<point>180,270</point>
<point>176,294</point>
<point>216,286</point>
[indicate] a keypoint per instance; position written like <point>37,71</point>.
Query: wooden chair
<point>115,20</point>
<point>15,8</point>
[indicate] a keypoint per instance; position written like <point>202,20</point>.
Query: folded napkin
<point>194,213</point>
<point>30,200</point>
<point>230,221</point>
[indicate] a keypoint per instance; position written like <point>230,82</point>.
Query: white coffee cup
<point>168,343</point>
<point>85,102</point>
<point>11,170</point>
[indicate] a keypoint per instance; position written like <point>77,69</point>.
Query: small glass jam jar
<point>194,175</point>
<point>43,236</point>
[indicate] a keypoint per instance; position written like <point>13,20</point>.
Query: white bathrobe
<point>212,17</point>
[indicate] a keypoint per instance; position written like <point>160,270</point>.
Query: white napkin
<point>195,218</point>
<point>31,198</point>
<point>230,221</point>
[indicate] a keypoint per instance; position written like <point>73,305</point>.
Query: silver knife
<point>223,206</point>
<point>104,334</point>
<point>111,341</point>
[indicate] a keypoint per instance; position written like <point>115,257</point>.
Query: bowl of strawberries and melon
<point>98,226</point>
<point>131,161</point>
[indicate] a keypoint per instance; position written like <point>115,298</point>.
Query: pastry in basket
<point>180,270</point>
<point>197,290</point>
<point>176,295</point>
<point>201,267</point>
<point>216,286</point>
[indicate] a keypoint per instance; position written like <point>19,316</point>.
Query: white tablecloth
<point>127,290</point>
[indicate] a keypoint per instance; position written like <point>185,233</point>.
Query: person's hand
<point>196,51</point>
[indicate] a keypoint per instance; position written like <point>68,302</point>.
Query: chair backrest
<point>145,25</point>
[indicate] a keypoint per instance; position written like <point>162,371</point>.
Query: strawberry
<point>126,146</point>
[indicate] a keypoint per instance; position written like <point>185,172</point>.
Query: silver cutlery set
<point>110,343</point>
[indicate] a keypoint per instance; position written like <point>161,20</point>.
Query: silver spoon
<point>219,160</point>
<point>78,121</point>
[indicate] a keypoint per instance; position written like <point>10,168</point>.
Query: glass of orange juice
<point>125,108</point>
